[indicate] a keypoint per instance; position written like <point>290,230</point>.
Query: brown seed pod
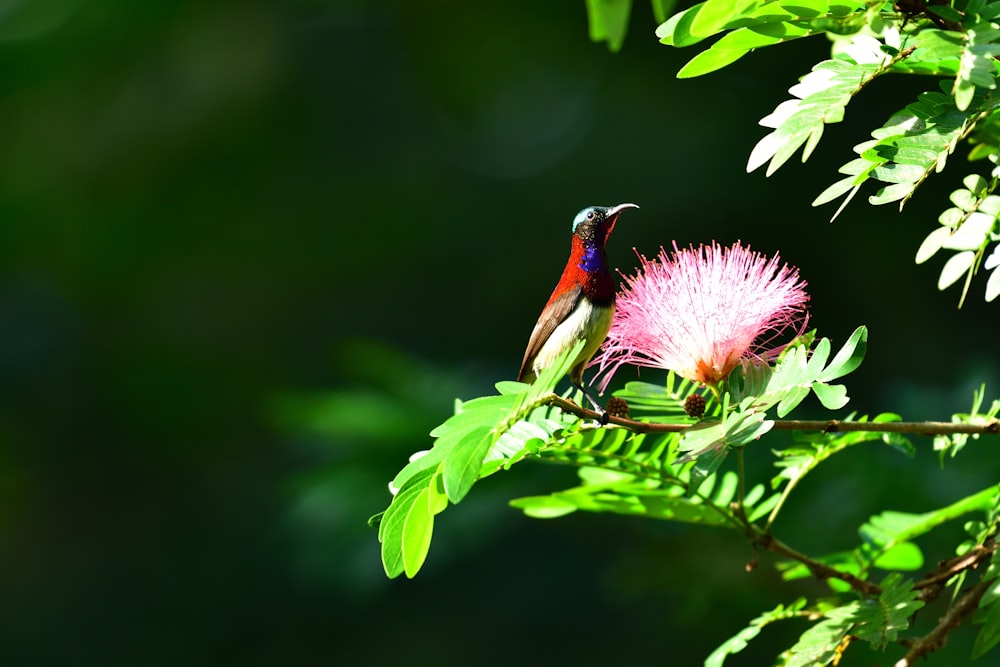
<point>694,405</point>
<point>617,407</point>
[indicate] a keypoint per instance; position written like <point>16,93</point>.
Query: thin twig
<point>991,426</point>
<point>935,581</point>
<point>985,427</point>
<point>818,569</point>
<point>952,618</point>
<point>930,586</point>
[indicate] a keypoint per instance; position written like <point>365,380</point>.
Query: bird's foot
<point>602,415</point>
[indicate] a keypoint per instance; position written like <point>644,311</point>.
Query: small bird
<point>582,304</point>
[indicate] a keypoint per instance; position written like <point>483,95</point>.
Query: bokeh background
<point>250,253</point>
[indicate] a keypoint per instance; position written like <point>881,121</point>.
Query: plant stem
<point>818,569</point>
<point>785,492</point>
<point>740,477</point>
<point>983,427</point>
<point>989,426</point>
<point>934,640</point>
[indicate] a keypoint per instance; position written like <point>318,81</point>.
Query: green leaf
<point>819,98</point>
<point>880,621</point>
<point>957,266</point>
<point>738,43</point>
<point>947,13</point>
<point>847,186</point>
<point>437,498</point>
<point>544,507</point>
<point>484,434</point>
<point>968,227</point>
<point>664,402</point>
<point>989,634</point>
<point>744,428</point>
<point>594,476</point>
<point>988,614</point>
<point>904,556</point>
<point>794,376</point>
<point>738,642</point>
<point>934,242</point>
<point>676,31</point>
<point>418,525</point>
<point>848,358</point>
<point>715,14</point>
<point>899,442</point>
<point>457,432</point>
<point>631,499</point>
<point>608,447</point>
<point>728,486</point>
<point>609,21</point>
<point>832,396</point>
<point>757,511</point>
<point>470,415</point>
<point>507,387</point>
<point>749,380</point>
<point>663,506</point>
<point>883,532</point>
<point>955,442</point>
<point>753,25</point>
<point>701,437</point>
<point>913,144</point>
<point>845,561</point>
<point>461,467</point>
<point>818,358</point>
<point>977,67</point>
<point>793,397</point>
<point>705,466</point>
<point>993,283</point>
<point>402,543</point>
<point>935,52</point>
<point>798,461</point>
<point>975,184</point>
<point>662,9</point>
<point>877,621</point>
<point>818,645</point>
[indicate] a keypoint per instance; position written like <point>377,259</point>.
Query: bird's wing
<point>556,310</point>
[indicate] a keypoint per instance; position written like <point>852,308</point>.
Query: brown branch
<point>918,428</point>
<point>952,618</point>
<point>569,406</point>
<point>930,586</point>
<point>987,427</point>
<point>935,581</point>
<point>816,568</point>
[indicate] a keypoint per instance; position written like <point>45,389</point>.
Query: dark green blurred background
<point>251,251</point>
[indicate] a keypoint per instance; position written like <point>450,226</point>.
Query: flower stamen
<point>700,311</point>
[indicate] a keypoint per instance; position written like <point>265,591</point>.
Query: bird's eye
<point>590,215</point>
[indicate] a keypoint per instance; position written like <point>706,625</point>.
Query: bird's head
<point>594,223</point>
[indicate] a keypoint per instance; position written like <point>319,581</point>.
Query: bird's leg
<point>603,414</point>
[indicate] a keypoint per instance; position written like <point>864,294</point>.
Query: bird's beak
<point>615,210</point>
<point>611,217</point>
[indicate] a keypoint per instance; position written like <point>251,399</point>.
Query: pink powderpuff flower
<point>700,311</point>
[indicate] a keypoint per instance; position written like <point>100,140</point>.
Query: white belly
<point>585,321</point>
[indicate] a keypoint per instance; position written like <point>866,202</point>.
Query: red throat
<point>597,285</point>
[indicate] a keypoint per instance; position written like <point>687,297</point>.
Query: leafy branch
<point>966,604</point>
<point>669,466</point>
<point>988,426</point>
<point>955,44</point>
<point>820,98</point>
